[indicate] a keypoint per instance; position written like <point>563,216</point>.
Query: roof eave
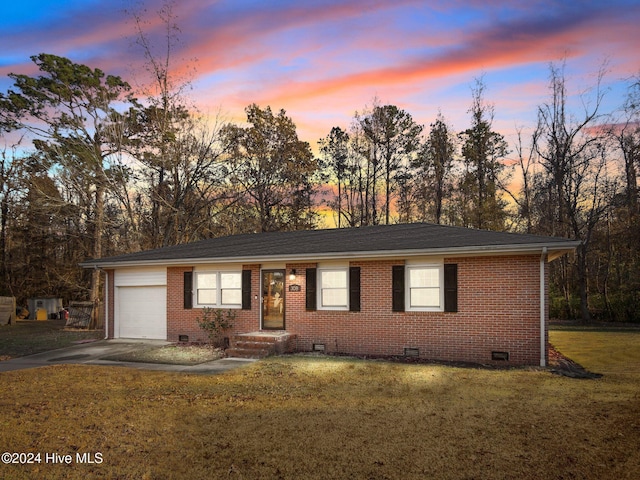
<point>554,250</point>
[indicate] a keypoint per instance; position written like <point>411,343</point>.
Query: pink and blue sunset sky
<point>322,60</point>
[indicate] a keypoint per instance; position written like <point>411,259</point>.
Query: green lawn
<point>601,351</point>
<point>305,417</point>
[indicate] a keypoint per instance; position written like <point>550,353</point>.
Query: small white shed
<point>51,305</point>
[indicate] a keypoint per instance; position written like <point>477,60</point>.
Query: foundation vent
<point>183,338</point>
<point>318,347</point>
<point>411,352</point>
<point>502,356</point>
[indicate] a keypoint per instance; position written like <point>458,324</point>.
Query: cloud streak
<point>321,59</point>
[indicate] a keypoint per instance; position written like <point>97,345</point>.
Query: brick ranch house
<point>433,291</point>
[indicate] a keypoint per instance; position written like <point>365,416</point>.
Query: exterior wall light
<point>292,275</point>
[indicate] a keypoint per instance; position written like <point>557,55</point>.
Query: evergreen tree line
<point>88,170</point>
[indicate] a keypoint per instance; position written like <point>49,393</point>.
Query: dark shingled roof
<point>379,240</point>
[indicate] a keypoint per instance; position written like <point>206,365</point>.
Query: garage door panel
<point>138,277</point>
<point>142,312</point>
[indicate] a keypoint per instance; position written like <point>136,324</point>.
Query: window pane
<point>207,280</point>
<point>334,279</point>
<point>334,297</point>
<point>425,297</point>
<point>231,297</point>
<point>424,277</point>
<point>231,280</point>
<point>207,297</point>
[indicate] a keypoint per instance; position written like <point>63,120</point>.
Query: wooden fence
<point>79,314</point>
<point>7,310</point>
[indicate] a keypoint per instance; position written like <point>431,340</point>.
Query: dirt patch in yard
<point>175,354</point>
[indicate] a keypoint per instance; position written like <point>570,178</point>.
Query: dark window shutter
<point>311,289</point>
<point>246,289</point>
<point>398,288</point>
<point>188,290</point>
<point>450,287</point>
<point>354,289</point>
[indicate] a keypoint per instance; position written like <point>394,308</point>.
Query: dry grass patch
<point>606,352</point>
<point>29,337</point>
<point>316,417</point>
<point>172,354</point>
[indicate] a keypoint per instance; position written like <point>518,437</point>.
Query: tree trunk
<point>582,283</point>
<point>4,212</point>
<point>97,253</point>
<point>387,207</point>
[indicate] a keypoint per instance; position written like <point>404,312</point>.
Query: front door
<point>273,307</point>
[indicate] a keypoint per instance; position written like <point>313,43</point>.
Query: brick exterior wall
<point>183,322</point>
<point>498,310</point>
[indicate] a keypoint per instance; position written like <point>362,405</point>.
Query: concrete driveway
<point>94,353</point>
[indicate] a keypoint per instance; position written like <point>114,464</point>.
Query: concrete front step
<point>260,344</point>
<point>235,352</point>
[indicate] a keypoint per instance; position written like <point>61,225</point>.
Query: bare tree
<point>523,197</point>
<point>627,135</point>
<point>571,151</point>
<point>10,168</point>
<point>615,271</point>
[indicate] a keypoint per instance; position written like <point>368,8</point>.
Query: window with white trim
<point>218,289</point>
<point>333,291</point>
<point>424,290</point>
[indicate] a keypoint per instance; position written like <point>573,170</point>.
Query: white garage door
<point>142,312</point>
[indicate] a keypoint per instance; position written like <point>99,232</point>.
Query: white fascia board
<point>514,249</point>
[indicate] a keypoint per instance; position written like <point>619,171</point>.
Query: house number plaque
<point>295,288</point>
